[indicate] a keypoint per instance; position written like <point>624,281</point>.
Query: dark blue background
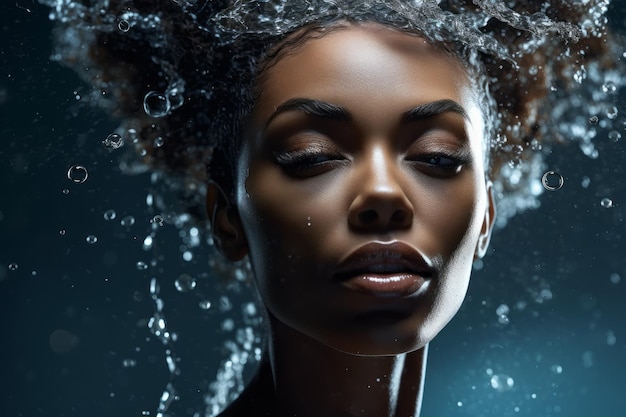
<point>72,312</point>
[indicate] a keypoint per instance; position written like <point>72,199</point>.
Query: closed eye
<point>308,163</point>
<point>439,164</point>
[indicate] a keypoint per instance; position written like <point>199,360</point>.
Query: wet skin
<point>364,139</point>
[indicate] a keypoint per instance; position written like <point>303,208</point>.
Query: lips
<point>392,269</point>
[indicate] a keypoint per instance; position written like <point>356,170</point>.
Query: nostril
<point>399,217</point>
<point>368,216</point>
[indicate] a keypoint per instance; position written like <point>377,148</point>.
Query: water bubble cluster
<point>501,382</point>
<point>91,239</point>
<point>113,141</point>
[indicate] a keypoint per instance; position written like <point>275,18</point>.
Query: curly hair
<point>182,74</point>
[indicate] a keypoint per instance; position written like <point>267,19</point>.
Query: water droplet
<point>228,325</point>
<point>593,120</point>
<point>145,413</point>
<point>110,215</point>
<point>113,141</point>
<point>204,304</point>
<point>612,113</point>
<point>614,136</point>
<point>609,88</point>
<point>127,221</point>
<point>123,25</point>
<point>158,142</point>
<point>501,382</point>
<point>158,220</point>
<point>154,287</point>
<point>585,182</point>
<point>13,267</point>
<point>557,369</point>
<point>225,304</point>
<point>615,278</point>
<point>459,404</point>
<point>308,221</point>
<point>141,265</point>
<point>155,104</point>
<point>607,203</point>
<point>176,98</point>
<point>187,256</point>
<point>91,239</point>
<point>129,363</point>
<point>77,174</point>
<point>185,282</point>
<point>62,232</point>
<point>65,191</point>
<point>552,181</point>
<point>610,338</point>
<point>502,309</point>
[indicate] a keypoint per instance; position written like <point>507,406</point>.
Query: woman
<point>352,151</point>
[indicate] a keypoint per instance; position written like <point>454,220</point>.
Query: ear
<point>226,226</point>
<point>488,222</point>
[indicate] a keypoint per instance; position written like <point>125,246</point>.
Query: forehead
<point>365,63</point>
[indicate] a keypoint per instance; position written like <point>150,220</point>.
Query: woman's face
<point>361,193</point>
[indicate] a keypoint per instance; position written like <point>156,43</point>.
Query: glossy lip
<point>392,269</point>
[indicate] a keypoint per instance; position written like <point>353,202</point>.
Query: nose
<point>381,203</point>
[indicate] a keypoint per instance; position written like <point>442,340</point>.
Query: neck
<point>312,379</point>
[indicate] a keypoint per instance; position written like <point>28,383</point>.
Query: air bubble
<point>127,221</point>
<point>557,369</point>
<point>158,220</point>
<point>615,136</point>
<point>13,267</point>
<point>612,113</point>
<point>615,278</point>
<point>552,181</point>
<point>77,174</point>
<point>607,203</point>
<point>91,239</point>
<point>158,142</point>
<point>110,215</point>
<point>585,182</point>
<point>123,25</point>
<point>225,304</point>
<point>65,191</point>
<point>176,98</point>
<point>113,141</point>
<point>308,221</point>
<point>593,120</point>
<point>185,282</point>
<point>501,382</point>
<point>609,88</point>
<point>610,338</point>
<point>141,265</point>
<point>204,304</point>
<point>129,363</point>
<point>155,104</point>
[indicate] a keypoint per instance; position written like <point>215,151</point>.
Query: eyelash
<point>306,162</point>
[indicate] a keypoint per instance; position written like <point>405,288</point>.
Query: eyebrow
<point>432,109</point>
<point>332,111</point>
<point>312,107</point>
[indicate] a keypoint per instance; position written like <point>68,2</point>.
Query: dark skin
<point>366,139</point>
